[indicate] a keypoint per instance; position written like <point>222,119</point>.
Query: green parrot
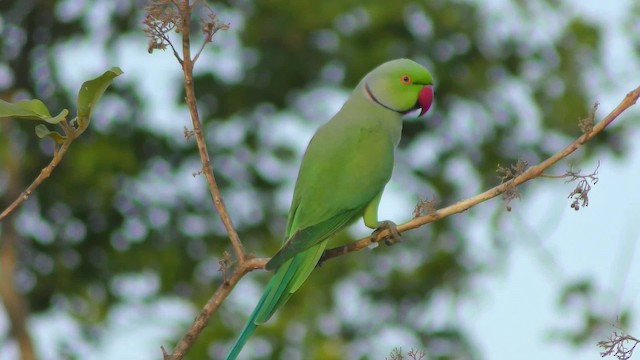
<point>343,173</point>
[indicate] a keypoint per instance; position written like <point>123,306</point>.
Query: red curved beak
<point>425,99</point>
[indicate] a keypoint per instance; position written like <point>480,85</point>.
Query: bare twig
<point>209,28</point>
<point>161,19</point>
<point>416,354</point>
<point>244,264</point>
<point>616,346</point>
<point>580,194</point>
<point>44,173</point>
<point>58,154</point>
<point>187,68</point>
<point>575,175</point>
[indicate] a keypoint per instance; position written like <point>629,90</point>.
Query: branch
<point>88,95</point>
<point>160,20</point>
<point>212,306</point>
<point>580,194</point>
<point>209,28</point>
<point>531,173</point>
<point>616,346</point>
<point>244,264</point>
<point>187,68</point>
<point>44,173</point>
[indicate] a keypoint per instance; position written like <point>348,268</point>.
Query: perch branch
<point>531,173</point>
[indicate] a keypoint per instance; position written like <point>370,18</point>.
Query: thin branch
<point>160,20</point>
<point>195,58</point>
<point>616,346</point>
<point>58,154</point>
<point>575,175</point>
<point>212,306</point>
<point>175,52</point>
<point>187,68</point>
<point>209,27</point>
<point>245,264</point>
<point>530,173</point>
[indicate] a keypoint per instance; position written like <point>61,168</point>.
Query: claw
<point>394,235</point>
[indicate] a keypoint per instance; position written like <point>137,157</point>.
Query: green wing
<point>309,236</point>
<point>346,167</point>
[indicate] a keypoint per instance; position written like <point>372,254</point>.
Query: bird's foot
<point>394,235</point>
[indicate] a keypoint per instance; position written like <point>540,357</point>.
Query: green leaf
<point>42,132</point>
<point>91,91</point>
<point>30,109</point>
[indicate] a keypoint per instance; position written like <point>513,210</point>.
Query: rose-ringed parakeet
<point>343,173</point>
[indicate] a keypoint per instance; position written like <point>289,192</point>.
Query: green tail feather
<point>267,305</point>
<point>284,282</point>
<point>249,328</point>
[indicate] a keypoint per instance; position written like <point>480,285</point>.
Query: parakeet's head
<point>401,85</point>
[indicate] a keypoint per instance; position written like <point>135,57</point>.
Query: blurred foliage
<point>120,204</point>
<point>580,296</point>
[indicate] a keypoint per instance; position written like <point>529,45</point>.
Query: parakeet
<point>343,173</point>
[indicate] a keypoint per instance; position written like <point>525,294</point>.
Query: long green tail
<point>284,282</point>
<point>249,328</point>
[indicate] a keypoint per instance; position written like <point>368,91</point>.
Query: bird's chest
<point>351,158</point>
<point>372,161</point>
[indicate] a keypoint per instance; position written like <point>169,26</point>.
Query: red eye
<point>406,79</point>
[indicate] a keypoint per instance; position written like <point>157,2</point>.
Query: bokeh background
<point>119,249</point>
